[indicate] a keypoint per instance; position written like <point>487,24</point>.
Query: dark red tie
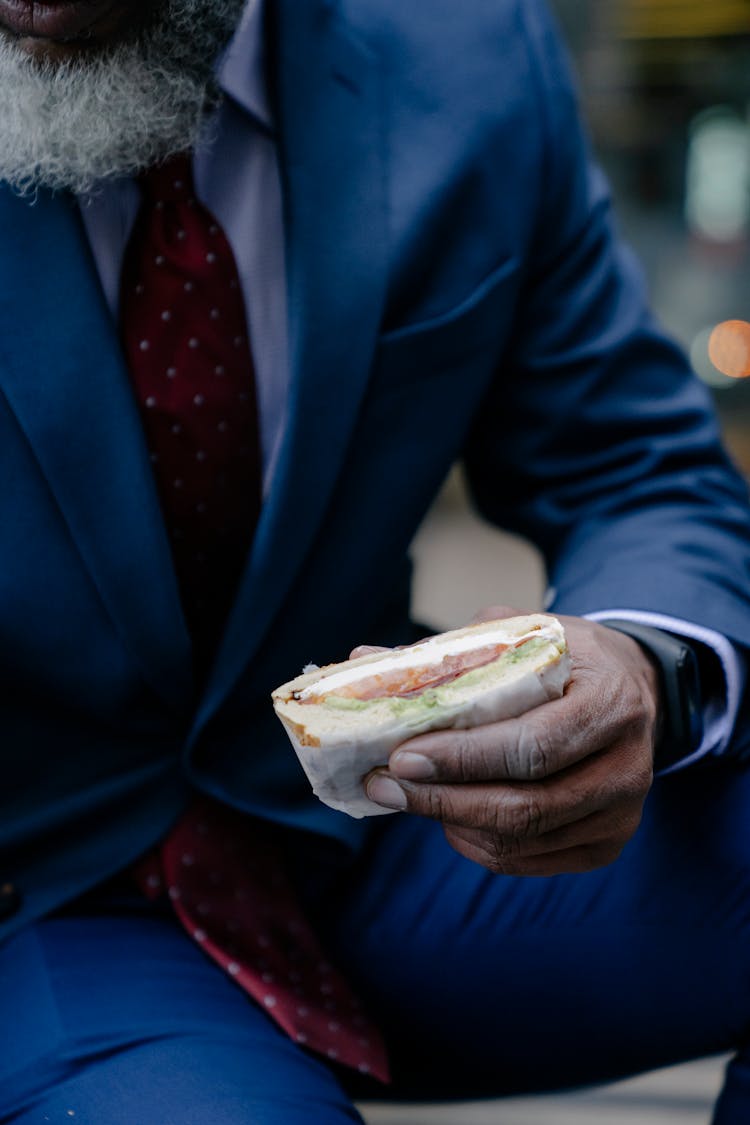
<point>186,342</point>
<point>229,888</point>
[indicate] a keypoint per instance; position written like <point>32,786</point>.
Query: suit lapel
<point>328,100</point>
<point>61,372</point>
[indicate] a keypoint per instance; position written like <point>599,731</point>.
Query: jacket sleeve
<point>596,440</point>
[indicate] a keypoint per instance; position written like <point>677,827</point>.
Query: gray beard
<point>71,124</point>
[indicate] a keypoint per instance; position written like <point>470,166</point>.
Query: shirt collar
<point>241,69</point>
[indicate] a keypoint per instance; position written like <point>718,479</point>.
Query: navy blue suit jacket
<point>456,290</point>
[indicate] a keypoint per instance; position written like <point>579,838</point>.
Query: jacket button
<point>10,900</point>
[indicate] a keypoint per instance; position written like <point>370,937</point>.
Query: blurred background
<point>665,85</point>
<point>666,89</point>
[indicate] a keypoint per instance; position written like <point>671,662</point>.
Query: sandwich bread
<point>344,720</point>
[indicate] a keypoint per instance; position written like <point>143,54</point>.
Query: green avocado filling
<point>406,706</point>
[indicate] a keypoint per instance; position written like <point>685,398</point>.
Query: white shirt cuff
<point>720,711</point>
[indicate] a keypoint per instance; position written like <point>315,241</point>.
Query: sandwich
<point>344,720</point>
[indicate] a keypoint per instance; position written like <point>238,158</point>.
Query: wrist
<point>679,722</point>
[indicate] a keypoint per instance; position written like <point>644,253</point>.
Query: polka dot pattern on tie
<point>186,342</point>
<point>250,924</point>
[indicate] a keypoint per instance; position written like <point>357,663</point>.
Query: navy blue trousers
<point>483,985</point>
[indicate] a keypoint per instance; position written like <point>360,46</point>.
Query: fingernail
<point>414,767</point>
<point>386,792</point>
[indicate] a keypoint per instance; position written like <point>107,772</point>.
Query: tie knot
<point>170,182</point>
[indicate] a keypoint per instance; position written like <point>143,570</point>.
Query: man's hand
<point>559,789</point>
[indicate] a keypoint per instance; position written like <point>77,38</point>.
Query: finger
<point>612,827</point>
<point>507,810</point>
<point>571,861</point>
<point>593,713</point>
<point>528,748</point>
<point>525,809</point>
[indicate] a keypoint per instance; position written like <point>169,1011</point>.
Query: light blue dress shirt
<point>237,177</point>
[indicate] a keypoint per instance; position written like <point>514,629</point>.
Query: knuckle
<point>497,854</point>
<point>637,707</point>
<point>635,782</point>
<point>538,762</point>
<point>504,856</point>
<point>627,703</point>
<point>524,818</point>
<point>507,849</point>
<point>533,754</point>
<point>628,787</point>
<point>644,778</point>
<point>433,801</point>
<point>465,757</point>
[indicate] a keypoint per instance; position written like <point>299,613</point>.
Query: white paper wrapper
<point>337,751</point>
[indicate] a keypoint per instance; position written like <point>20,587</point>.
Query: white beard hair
<point>71,124</point>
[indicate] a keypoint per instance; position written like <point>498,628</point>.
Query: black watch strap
<point>682,705</point>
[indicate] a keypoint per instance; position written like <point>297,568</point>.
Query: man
<point>341,243</point>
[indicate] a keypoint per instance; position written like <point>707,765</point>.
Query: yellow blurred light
<point>683,19</point>
<point>729,348</point>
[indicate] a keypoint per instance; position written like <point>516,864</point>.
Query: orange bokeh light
<point>729,348</point>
